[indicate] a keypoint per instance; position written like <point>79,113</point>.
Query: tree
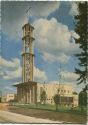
<point>0,95</point>
<point>56,100</point>
<point>43,97</point>
<point>81,30</point>
<point>0,99</point>
<point>83,98</point>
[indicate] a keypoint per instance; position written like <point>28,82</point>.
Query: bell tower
<point>28,53</point>
<point>27,89</point>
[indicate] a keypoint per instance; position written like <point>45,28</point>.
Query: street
<point>8,117</point>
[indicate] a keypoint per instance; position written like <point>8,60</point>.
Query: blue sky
<point>54,26</point>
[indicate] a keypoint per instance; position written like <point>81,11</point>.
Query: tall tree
<point>43,97</point>
<point>81,29</point>
<point>83,98</point>
<point>56,99</point>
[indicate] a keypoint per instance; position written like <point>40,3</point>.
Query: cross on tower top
<point>27,12</point>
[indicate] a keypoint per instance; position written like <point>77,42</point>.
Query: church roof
<point>26,83</point>
<point>28,24</point>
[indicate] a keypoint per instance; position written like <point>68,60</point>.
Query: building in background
<point>3,99</point>
<point>66,92</point>
<point>31,93</point>
<point>9,97</point>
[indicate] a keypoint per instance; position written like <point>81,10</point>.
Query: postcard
<point>43,62</point>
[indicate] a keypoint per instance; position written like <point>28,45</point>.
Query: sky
<point>54,43</point>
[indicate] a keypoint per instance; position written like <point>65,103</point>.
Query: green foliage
<point>56,99</point>
<point>49,107</point>
<point>43,97</point>
<point>75,93</point>
<point>83,98</point>
<point>81,30</point>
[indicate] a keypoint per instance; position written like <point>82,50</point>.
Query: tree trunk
<point>56,107</point>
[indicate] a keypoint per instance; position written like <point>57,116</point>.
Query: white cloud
<point>67,77</point>
<point>1,74</point>
<point>74,9</point>
<point>13,74</point>
<point>39,75</point>
<point>12,69</point>
<point>14,63</point>
<point>74,34</point>
<point>52,58</point>
<point>53,40</point>
<point>44,8</point>
<point>14,16</point>
<point>70,77</point>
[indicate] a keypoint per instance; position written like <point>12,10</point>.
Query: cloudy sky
<point>53,45</point>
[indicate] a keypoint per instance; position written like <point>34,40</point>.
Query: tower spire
<point>27,13</point>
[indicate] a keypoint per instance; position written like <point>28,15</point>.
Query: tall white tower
<point>28,53</point>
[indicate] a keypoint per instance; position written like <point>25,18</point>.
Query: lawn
<point>49,107</point>
<point>48,112</point>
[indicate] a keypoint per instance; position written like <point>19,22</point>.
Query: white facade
<point>10,97</point>
<point>65,91</point>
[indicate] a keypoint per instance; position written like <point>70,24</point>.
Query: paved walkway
<point>9,117</point>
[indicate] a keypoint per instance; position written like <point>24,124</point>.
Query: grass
<point>67,115</point>
<point>53,108</point>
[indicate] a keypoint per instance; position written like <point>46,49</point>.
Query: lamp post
<point>60,77</point>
